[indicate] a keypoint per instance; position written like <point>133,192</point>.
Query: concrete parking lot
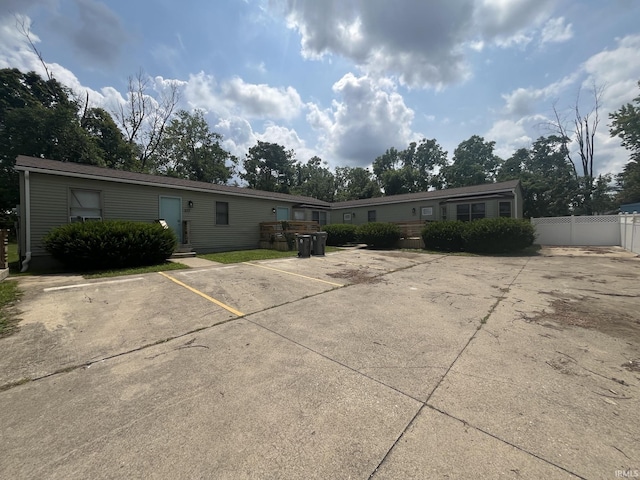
<point>361,364</point>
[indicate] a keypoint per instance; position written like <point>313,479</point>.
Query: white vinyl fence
<point>597,230</point>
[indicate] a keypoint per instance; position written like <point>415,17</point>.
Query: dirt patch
<point>614,317</point>
<point>632,365</point>
<point>356,276</point>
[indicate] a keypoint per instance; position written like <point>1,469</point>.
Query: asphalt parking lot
<point>361,364</point>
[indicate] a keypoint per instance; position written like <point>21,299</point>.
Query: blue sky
<point>347,79</point>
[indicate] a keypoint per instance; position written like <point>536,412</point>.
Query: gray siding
<point>120,201</point>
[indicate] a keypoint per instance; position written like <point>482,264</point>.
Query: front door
<point>171,212</point>
<point>282,214</point>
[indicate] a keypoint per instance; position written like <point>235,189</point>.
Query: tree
<point>144,118</point>
<point>582,132</point>
<point>410,170</point>
<point>268,166</point>
<point>355,183</point>
<point>116,152</point>
<point>473,164</point>
<point>314,179</point>
<point>625,123</point>
<point>548,184</point>
<point>189,149</point>
<point>38,118</point>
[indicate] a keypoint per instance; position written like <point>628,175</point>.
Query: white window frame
<point>83,213</point>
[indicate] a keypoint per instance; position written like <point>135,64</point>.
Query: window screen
<point>85,205</point>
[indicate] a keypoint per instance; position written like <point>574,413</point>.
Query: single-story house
<point>205,216</point>
<point>490,200</point>
<point>208,217</point>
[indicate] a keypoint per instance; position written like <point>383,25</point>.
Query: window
<point>320,217</point>
<point>466,212</point>
<point>505,209</point>
<point>477,211</point>
<point>371,216</point>
<point>282,214</point>
<point>346,217</point>
<point>222,213</point>
<point>85,205</point>
<point>298,215</point>
<point>462,212</point>
<point>427,211</point>
<point>443,212</point>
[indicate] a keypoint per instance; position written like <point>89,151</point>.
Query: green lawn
<point>9,293</point>
<point>239,256</point>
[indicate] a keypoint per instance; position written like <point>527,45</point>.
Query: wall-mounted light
<point>353,214</point>
<point>190,203</point>
<point>273,210</point>
<point>413,210</point>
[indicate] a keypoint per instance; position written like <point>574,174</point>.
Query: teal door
<point>171,212</point>
<point>282,213</point>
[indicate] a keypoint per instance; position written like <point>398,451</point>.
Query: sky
<point>347,79</point>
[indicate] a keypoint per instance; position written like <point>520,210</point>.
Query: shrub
<point>110,244</point>
<point>489,235</point>
<point>444,236</point>
<point>340,234</point>
<point>498,235</point>
<point>379,234</point>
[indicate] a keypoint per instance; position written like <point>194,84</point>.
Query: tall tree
<point>40,118</point>
<point>581,131</point>
<point>116,152</point>
<point>268,166</point>
<point>625,124</point>
<point>355,183</point>
<point>189,149</point>
<point>143,117</point>
<point>411,170</point>
<point>314,179</point>
<point>473,164</point>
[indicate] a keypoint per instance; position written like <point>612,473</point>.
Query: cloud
<point>97,34</point>
<point>555,31</point>
<point>510,22</point>
<point>367,118</point>
<point>524,101</point>
<point>15,7</point>
<point>509,136</point>
<point>260,100</point>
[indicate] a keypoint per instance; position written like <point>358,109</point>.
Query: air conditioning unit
<point>78,218</point>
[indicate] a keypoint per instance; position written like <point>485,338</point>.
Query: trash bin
<point>318,240</point>
<point>304,245</point>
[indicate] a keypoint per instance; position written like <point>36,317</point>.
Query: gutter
<point>27,222</point>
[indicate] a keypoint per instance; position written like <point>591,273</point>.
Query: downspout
<point>515,201</point>
<point>27,222</point>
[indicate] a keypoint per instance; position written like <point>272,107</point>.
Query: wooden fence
<point>282,235</point>
<point>411,234</point>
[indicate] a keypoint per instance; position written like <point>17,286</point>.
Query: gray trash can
<point>304,245</point>
<point>318,240</point>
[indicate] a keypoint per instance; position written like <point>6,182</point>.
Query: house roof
<point>449,193</point>
<point>78,170</point>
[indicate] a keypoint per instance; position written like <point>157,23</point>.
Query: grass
<point>239,256</point>
<point>9,294</point>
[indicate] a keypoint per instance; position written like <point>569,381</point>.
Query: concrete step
<point>180,254</point>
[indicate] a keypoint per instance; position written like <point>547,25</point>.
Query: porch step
<point>180,254</point>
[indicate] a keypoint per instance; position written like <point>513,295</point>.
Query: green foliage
<point>314,179</point>
<point>489,235</point>
<point>110,244</point>
<point>189,149</point>
<point>269,167</point>
<point>379,234</point>
<point>355,183</point>
<point>9,294</point>
<point>340,234</point>
<point>498,235</point>
<point>625,124</point>
<point>410,170</point>
<point>473,164</point>
<point>444,236</point>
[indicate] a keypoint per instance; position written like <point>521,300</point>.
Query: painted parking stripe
<point>295,274</point>
<point>203,295</point>
<point>80,285</point>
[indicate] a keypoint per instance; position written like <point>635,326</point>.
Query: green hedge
<point>489,235</point>
<point>110,244</point>
<point>379,234</point>
<point>340,234</point>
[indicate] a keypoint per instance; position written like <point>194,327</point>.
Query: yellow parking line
<point>296,274</point>
<point>203,295</point>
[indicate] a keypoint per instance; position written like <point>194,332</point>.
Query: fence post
<point>571,230</point>
<point>4,249</point>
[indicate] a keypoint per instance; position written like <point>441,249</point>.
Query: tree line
<point>43,118</point>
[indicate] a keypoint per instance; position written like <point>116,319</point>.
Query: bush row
<point>489,235</point>
<point>374,234</point>
<point>110,244</point>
